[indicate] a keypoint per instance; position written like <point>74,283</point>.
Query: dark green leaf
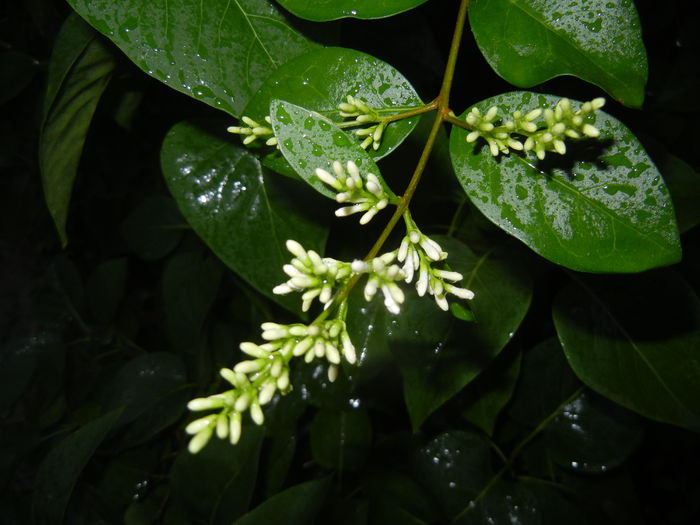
<point>489,393</point>
<point>592,435</point>
<point>154,228</point>
<point>278,459</point>
<point>215,486</point>
<point>142,382</point>
<point>297,505</point>
<point>398,497</point>
<point>61,467</point>
<point>603,207</point>
<point>546,381</point>
<point>684,185</point>
<point>325,10</point>
<point>440,355</point>
<point>504,503</point>
<point>190,284</point>
<point>322,79</point>
<point>80,68</point>
<point>218,53</point>
<point>340,439</point>
<point>309,141</point>
<point>454,467</point>
<point>530,41</point>
<point>105,289</point>
<point>643,357</point>
<point>242,213</point>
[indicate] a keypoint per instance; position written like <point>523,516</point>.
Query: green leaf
<point>215,486</point>
<point>545,382</point>
<point>143,382</point>
<point>340,439</point>
<point>243,214</point>
<point>309,141</point>
<point>79,70</point>
<point>298,505</point>
<point>592,435</point>
<point>603,207</point>
<point>278,459</point>
<point>399,497</point>
<point>453,467</point>
<point>530,41</point>
<point>325,10</point>
<point>322,79</point>
<point>154,228</point>
<point>489,393</point>
<point>218,52</point>
<point>105,289</point>
<point>504,503</point>
<point>644,358</point>
<point>60,469</point>
<point>439,355</point>
<point>684,185</point>
<point>190,284</point>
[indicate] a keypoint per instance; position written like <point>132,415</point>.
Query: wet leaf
<point>322,79</point>
<point>645,359</point>
<point>603,207</point>
<point>219,53</point>
<point>244,215</point>
<point>309,141</point>
<point>325,10</point>
<point>530,41</point>
<point>439,355</point>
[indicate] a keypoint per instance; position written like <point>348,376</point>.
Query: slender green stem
<point>412,113</point>
<point>456,122</point>
<point>456,216</point>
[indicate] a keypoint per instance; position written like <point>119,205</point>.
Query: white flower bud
<point>267,392</point>
<point>200,440</point>
<point>248,367</point>
<point>197,425</point>
<point>222,426</point>
<point>234,429</point>
<point>256,414</point>
<point>332,373</point>
<point>205,403</point>
<point>296,249</point>
<point>242,403</point>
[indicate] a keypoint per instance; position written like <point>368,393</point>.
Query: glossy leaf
<point>216,485</point>
<point>643,358</point>
<point>530,41</point>
<point>79,71</point>
<point>322,79</point>
<point>489,393</point>
<point>60,469</point>
<point>244,215</point>
<point>504,503</point>
<point>325,10</point>
<point>602,207</point>
<point>340,439</point>
<point>309,141</point>
<point>592,435</point>
<point>684,185</point>
<point>219,53</point>
<point>453,467</point>
<point>439,355</point>
<point>399,498</point>
<point>298,505</point>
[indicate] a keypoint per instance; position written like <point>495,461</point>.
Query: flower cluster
<point>382,276</point>
<point>364,114</point>
<point>315,276</point>
<point>364,194</point>
<point>418,252</point>
<point>256,380</point>
<point>559,124</point>
<point>255,131</point>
